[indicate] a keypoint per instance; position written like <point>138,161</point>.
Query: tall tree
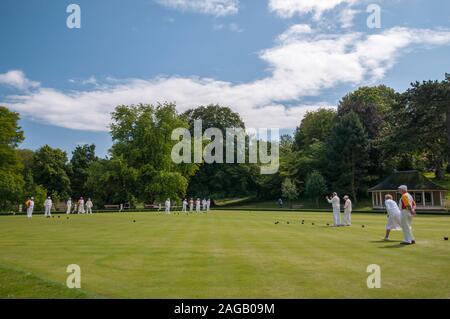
<point>50,169</point>
<point>220,179</point>
<point>348,157</point>
<point>315,127</point>
<point>315,186</point>
<point>142,138</point>
<point>289,191</point>
<point>11,181</point>
<point>82,157</point>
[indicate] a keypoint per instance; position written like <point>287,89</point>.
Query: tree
<point>348,157</point>
<point>289,191</point>
<point>11,180</point>
<point>142,139</point>
<point>220,180</point>
<point>50,169</point>
<point>421,123</point>
<point>315,186</point>
<point>111,182</point>
<point>315,127</point>
<point>81,159</point>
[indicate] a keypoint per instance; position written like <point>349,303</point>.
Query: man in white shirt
<point>408,210</point>
<point>89,206</point>
<point>48,207</point>
<point>394,216</point>
<point>204,204</point>
<point>197,205</point>
<point>335,203</point>
<point>184,205</point>
<point>347,211</point>
<point>30,207</point>
<point>81,206</point>
<point>191,205</point>
<point>167,206</point>
<point>68,206</point>
<point>208,204</point>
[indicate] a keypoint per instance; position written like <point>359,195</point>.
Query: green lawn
<point>220,255</point>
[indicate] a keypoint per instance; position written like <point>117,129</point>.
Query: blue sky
<point>270,60</point>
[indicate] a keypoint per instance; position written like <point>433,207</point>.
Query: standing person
<point>197,205</point>
<point>280,203</point>
<point>184,205</point>
<point>48,207</point>
<point>394,216</point>
<point>81,206</point>
<point>69,206</point>
<point>167,206</point>
<point>347,211</point>
<point>191,205</point>
<point>408,210</point>
<point>89,206</point>
<point>335,203</point>
<point>208,204</point>
<point>204,204</point>
<point>75,208</point>
<point>30,206</point>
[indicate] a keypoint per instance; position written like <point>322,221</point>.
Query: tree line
<point>374,131</point>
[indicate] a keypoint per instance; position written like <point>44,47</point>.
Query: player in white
<point>191,205</point>
<point>89,206</point>
<point>408,210</point>
<point>81,206</point>
<point>347,211</point>
<point>204,204</point>
<point>208,204</point>
<point>335,202</point>
<point>184,205</point>
<point>69,206</point>
<point>394,216</point>
<point>197,205</point>
<point>167,206</point>
<point>48,207</point>
<point>30,207</point>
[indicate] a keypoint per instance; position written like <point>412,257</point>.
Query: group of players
<point>79,207</point>
<point>203,205</point>
<point>400,215</point>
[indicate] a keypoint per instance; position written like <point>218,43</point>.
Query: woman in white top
<point>394,216</point>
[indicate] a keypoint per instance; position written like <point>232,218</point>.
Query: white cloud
<point>303,63</point>
<point>290,8</point>
<point>17,79</point>
<point>213,7</point>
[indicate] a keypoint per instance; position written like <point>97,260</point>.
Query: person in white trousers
<point>30,207</point>
<point>197,205</point>
<point>48,207</point>
<point>394,216</point>
<point>191,205</point>
<point>335,203</point>
<point>89,206</point>
<point>81,206</point>
<point>347,211</point>
<point>167,206</point>
<point>408,210</point>
<point>69,206</point>
<point>208,204</point>
<point>204,204</point>
<point>184,205</point>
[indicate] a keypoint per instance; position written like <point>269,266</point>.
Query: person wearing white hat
<point>48,207</point>
<point>394,216</point>
<point>347,211</point>
<point>30,206</point>
<point>68,206</point>
<point>335,203</point>
<point>167,206</point>
<point>89,206</point>
<point>408,210</point>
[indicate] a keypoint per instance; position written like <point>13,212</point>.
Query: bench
<point>112,206</point>
<point>297,206</point>
<point>151,206</point>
